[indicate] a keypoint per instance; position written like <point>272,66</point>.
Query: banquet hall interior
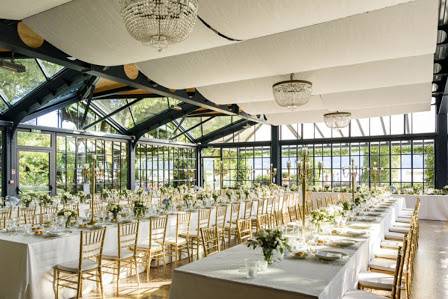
<point>198,149</point>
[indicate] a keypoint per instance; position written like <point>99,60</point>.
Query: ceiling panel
<point>399,31</point>
<point>20,9</point>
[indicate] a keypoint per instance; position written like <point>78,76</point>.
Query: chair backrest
<point>27,215</point>
<point>234,212</point>
<point>292,211</point>
<point>5,214</point>
<point>244,229</point>
<point>203,218</point>
<point>91,245</point>
<point>263,221</point>
<point>127,237</point>
<point>182,224</point>
<point>247,209</point>
<point>399,269</point>
<point>210,240</point>
<point>260,206</point>
<point>221,214</point>
<point>47,213</point>
<point>157,229</point>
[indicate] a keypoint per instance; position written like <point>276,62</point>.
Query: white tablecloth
<point>219,276</point>
<point>432,207</point>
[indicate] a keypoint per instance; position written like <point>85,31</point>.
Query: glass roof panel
<point>16,85</point>
<point>150,107</point>
<point>123,117</point>
<point>50,69</point>
<point>216,123</point>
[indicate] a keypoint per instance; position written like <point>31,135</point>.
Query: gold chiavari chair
<point>71,274</point>
<point>125,255</point>
<point>210,240</point>
<point>230,227</point>
<point>220,222</point>
<point>193,237</point>
<point>154,247</point>
<point>264,222</point>
<point>5,214</point>
<point>244,229</point>
<point>278,217</point>
<point>27,215</point>
<point>386,282</point>
<point>178,244</point>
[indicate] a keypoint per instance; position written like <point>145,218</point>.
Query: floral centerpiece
<point>45,200</point>
<point>167,203</point>
<point>66,197</point>
<point>70,215</point>
<point>229,194</point>
<point>139,208</point>
<point>320,216</point>
<point>81,196</point>
<point>26,200</point>
<point>271,241</point>
<point>114,208</point>
<point>188,200</point>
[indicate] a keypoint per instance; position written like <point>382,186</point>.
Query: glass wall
<point>159,165</point>
<point>236,166</point>
<point>74,155</point>
<point>403,163</point>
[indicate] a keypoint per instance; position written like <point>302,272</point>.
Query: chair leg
<point>79,288</point>
<point>100,277</point>
<point>56,283</point>
<point>118,278</point>
<point>136,271</point>
<point>148,267</point>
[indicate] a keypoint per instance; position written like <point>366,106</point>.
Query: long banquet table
<point>26,261</point>
<point>219,276</point>
<point>432,207</point>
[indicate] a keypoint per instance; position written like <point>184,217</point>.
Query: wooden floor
<point>431,272</point>
<point>431,277</point>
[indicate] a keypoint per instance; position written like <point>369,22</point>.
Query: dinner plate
<point>354,233</point>
<point>365,219</point>
<point>359,226</point>
<point>329,255</point>
<point>343,243</point>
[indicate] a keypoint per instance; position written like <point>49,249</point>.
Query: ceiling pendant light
<point>292,93</point>
<point>159,23</point>
<point>337,120</point>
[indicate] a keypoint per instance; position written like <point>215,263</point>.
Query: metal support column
<point>9,156</point>
<point>441,145</point>
<point>275,154</point>
<point>131,164</point>
<point>198,175</point>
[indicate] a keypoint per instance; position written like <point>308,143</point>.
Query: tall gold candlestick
<point>93,190</point>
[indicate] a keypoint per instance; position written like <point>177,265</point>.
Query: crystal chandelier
<point>159,23</point>
<point>337,120</point>
<point>292,93</point>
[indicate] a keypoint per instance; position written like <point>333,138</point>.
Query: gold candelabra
<point>288,165</point>
<point>92,189</point>
<point>302,172</point>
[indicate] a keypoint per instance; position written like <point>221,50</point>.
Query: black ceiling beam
<point>224,131</point>
<point>97,110</point>
<point>193,127</point>
<point>62,85</point>
<point>112,92</point>
<point>10,39</point>
<point>63,101</point>
<point>180,128</point>
<point>127,96</point>
<point>111,114</point>
<point>160,119</point>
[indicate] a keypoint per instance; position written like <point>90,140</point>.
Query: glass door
<point>34,171</point>
<point>210,171</point>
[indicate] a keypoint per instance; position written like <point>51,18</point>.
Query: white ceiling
<point>366,57</point>
<point>21,9</point>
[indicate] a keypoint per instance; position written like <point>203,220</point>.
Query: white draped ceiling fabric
<point>366,57</point>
